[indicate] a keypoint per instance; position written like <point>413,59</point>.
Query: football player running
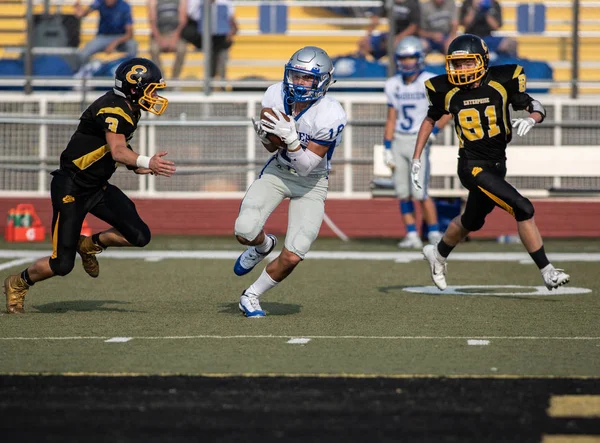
<point>407,107</point>
<point>80,186</point>
<point>478,97</point>
<point>298,171</point>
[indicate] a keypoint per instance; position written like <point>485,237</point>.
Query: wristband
<point>435,130</point>
<point>387,144</point>
<point>143,161</point>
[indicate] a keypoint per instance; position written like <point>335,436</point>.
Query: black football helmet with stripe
<point>137,79</point>
<point>464,48</point>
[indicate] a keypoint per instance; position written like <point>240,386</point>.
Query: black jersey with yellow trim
<point>87,157</point>
<point>481,114</point>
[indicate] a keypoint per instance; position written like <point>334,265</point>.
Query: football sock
<point>25,276</point>
<point>433,227</point>
<point>539,257</point>
<point>265,245</point>
<point>262,284</point>
<point>96,241</point>
<point>411,228</point>
<point>444,249</point>
<point>407,207</point>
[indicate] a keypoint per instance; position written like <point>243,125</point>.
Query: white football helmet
<point>309,61</point>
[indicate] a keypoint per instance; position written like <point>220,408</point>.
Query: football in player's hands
<point>272,137</point>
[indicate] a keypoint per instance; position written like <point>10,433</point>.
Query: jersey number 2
<point>470,123</point>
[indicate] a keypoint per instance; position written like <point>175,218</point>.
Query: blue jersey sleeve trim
<point>324,142</point>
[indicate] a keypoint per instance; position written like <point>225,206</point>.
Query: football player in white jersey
<point>407,107</point>
<point>298,171</point>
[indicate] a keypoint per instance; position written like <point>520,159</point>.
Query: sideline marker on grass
<point>298,341</point>
<point>117,340</point>
<point>478,342</point>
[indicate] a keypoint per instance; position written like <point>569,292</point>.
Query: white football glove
<point>415,169</point>
<point>277,125</point>
<point>523,125</point>
<point>262,134</point>
<point>388,158</point>
<point>432,138</point>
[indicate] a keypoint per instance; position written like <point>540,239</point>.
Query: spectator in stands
<point>115,29</point>
<point>167,20</point>
<point>481,17</point>
<point>224,27</point>
<point>407,15</point>
<point>439,23</point>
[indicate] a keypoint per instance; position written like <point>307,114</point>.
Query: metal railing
<point>214,144</point>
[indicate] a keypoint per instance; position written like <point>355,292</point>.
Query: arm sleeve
<point>415,14</point>
<point>496,12</point>
<point>127,19</point>
<point>115,119</point>
<point>518,98</point>
<point>389,93</point>
<point>436,102</point>
<point>330,128</point>
<point>463,10</point>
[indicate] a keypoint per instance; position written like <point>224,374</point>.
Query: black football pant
<point>71,203</point>
<point>488,188</point>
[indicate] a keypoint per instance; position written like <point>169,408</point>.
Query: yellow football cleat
<point>15,289</point>
<point>88,250</point>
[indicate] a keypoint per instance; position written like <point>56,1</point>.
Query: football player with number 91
<point>478,97</point>
<point>309,124</point>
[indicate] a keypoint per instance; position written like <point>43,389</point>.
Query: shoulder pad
<point>504,73</point>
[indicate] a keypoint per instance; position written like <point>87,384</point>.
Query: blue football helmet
<point>410,46</point>
<point>308,75</point>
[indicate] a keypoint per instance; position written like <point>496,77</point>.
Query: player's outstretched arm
<point>122,154</point>
<point>422,139</point>
<point>423,136</point>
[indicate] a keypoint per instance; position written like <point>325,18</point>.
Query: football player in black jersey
<point>478,98</point>
<point>80,186</point>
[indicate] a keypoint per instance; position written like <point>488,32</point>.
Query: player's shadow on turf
<point>271,308</point>
<point>82,306</point>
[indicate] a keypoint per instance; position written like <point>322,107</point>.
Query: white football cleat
<point>554,277</point>
<point>438,268</point>
<point>251,257</point>
<point>434,237</point>
<point>412,240</point>
<point>250,306</point>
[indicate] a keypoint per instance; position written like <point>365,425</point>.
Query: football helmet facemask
<point>137,80</point>
<point>308,75</point>
<point>410,47</point>
<point>467,47</point>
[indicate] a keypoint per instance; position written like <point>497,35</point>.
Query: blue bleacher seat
<point>272,18</point>
<point>531,18</point>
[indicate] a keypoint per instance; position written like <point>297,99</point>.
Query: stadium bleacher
<point>320,26</point>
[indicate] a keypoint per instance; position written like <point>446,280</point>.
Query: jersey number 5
<point>471,125</point>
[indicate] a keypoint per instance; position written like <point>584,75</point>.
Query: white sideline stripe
<point>310,337</point>
<point>319,255</point>
<point>478,342</point>
<point>298,341</point>
<point>13,263</point>
<point>117,340</point>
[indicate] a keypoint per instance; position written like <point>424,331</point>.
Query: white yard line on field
<point>310,337</point>
<point>152,255</point>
